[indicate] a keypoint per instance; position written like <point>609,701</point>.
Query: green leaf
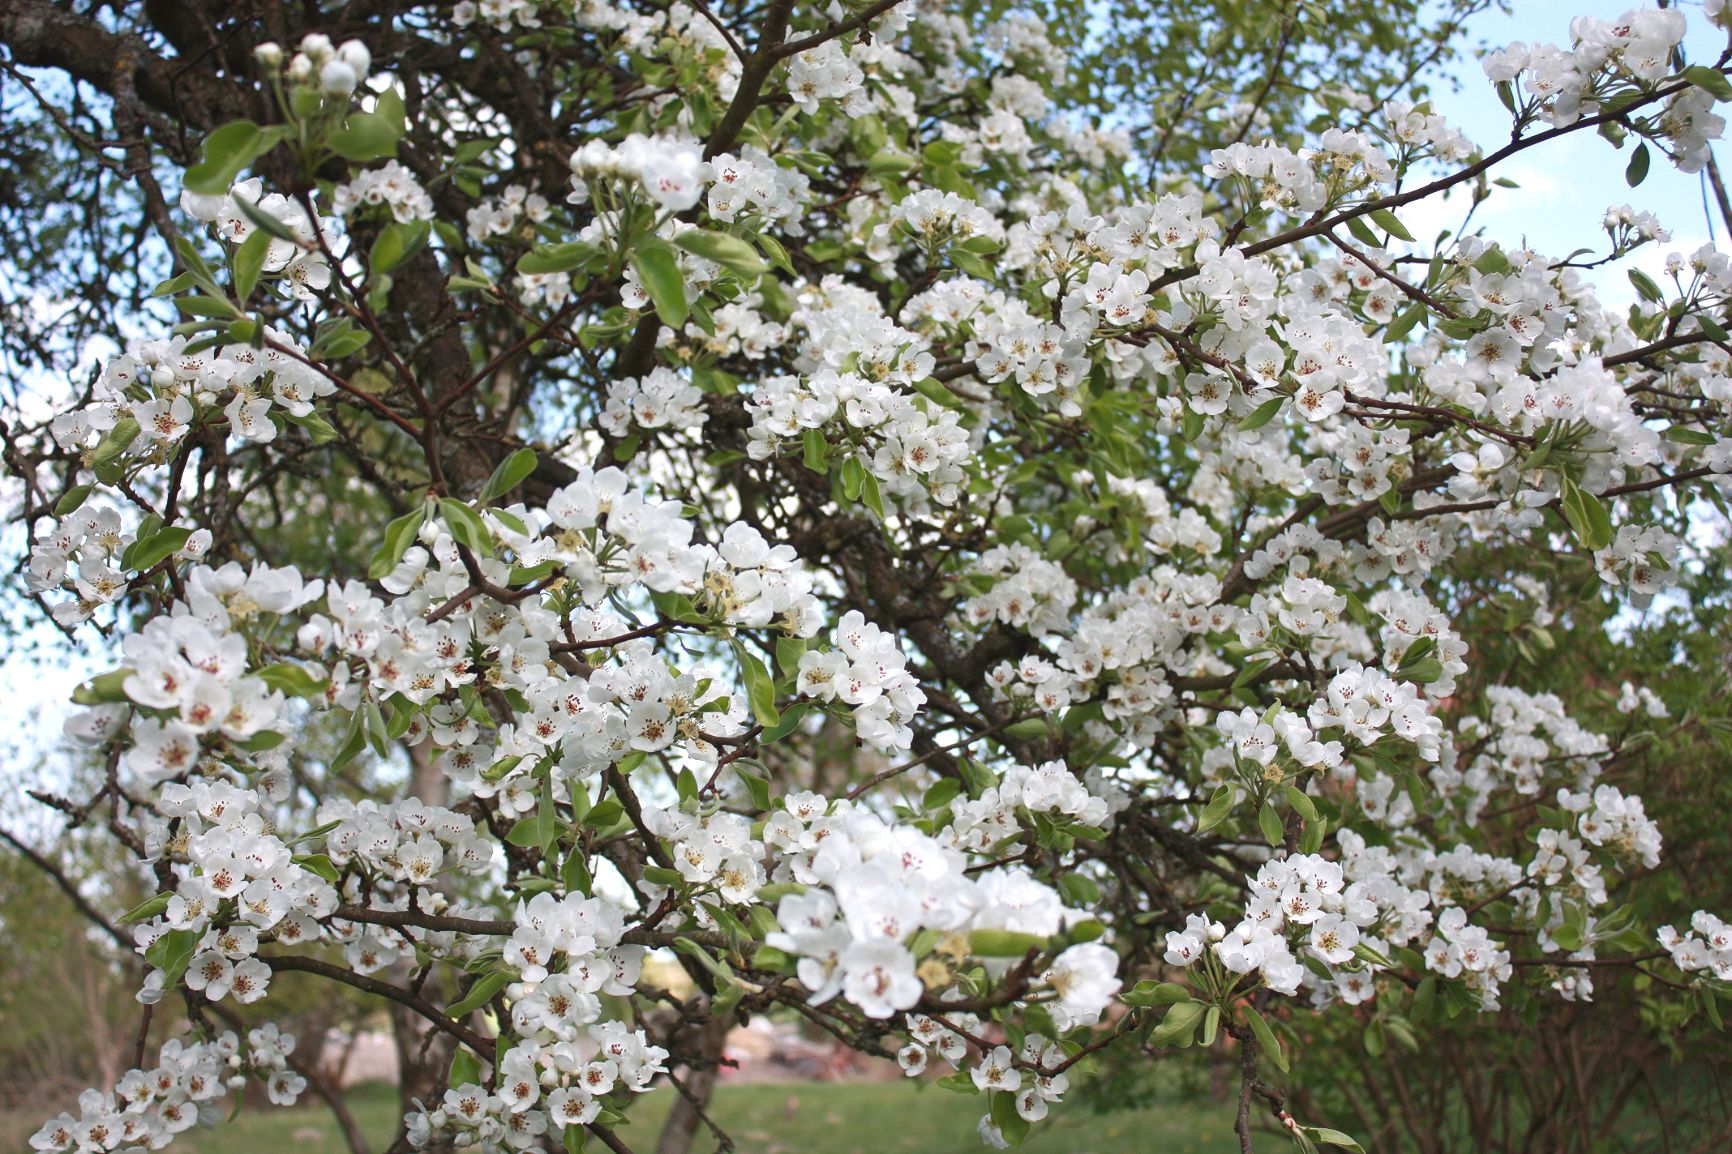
<point>1391,224</point>
<point>1645,286</point>
<point>605,815</point>
<point>1270,823</point>
<point>1297,799</point>
<point>396,243</point>
<point>115,441</point>
<point>399,535</point>
<point>171,953</point>
<point>757,784</point>
<point>1003,943</point>
<point>889,162</point>
<point>1682,436</point>
<point>1711,79</point>
<point>1586,516</point>
<point>790,718</point>
<point>389,106</point>
<point>103,689</point>
<point>1262,414</point>
<point>1027,729</point>
<point>555,258</point>
<point>373,720</point>
<point>267,222</point>
<point>1403,324</point>
<point>319,864</point>
<point>1333,1138</point>
<point>319,431</point>
<point>479,994</point>
<point>227,151</point>
<point>1148,993</point>
<point>789,651</point>
<point>1422,672</point>
<point>145,910</point>
<point>1012,1126</point>
<point>1424,1000</point>
<point>291,679</point>
<point>71,500</point>
<point>1251,672</point>
<point>366,136</point>
<point>760,687</point>
<point>249,261</point>
<point>1637,170</point>
<point>206,306</point>
<point>525,832</point>
<point>815,451</point>
<point>933,390</point>
<point>465,1069</point>
<point>147,554</point>
<point>871,496</point>
<point>1178,1026</point>
<point>512,472</point>
<point>730,252</point>
<point>466,526</point>
<point>1218,808</point>
<point>658,270</point>
<point>1266,1037</point>
<point>1362,232</point>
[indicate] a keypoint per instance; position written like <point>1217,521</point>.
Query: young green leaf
<point>512,472</point>
<point>730,252</point>
<point>658,271</point>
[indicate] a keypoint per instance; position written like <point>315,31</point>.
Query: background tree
<point>591,431</point>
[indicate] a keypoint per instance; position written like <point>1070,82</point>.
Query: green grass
<point>803,1118</point>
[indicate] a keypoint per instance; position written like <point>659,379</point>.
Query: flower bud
<point>337,78</point>
<point>317,46</point>
<point>355,55</point>
<point>269,54</point>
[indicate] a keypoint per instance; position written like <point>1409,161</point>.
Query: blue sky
<point>1567,185</point>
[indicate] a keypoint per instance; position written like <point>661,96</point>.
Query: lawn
<point>803,1118</point>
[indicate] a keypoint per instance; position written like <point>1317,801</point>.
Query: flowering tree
<point>792,490</point>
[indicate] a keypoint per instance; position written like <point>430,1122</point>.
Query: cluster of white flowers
<point>391,185</point>
<point>1303,181</point>
<point>663,399</point>
<point>865,670</point>
<point>978,824</point>
<point>516,208</point>
<point>671,171</point>
<point>148,1108</point>
<point>936,218</point>
<point>868,888</point>
<point>906,442</point>
<point>1633,697</point>
<point>1642,557</point>
<point>753,182</point>
<point>1615,820</point>
<point>827,73</point>
<point>1423,129</point>
<point>1028,591</point>
<point>300,262</point>
<point>1711,951</point>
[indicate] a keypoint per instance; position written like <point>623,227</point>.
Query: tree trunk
<point>700,1085</point>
